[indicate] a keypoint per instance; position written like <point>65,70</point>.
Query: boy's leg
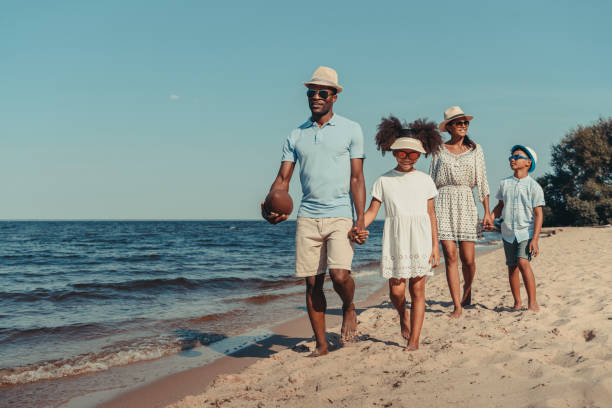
<point>511,252</point>
<point>515,285</point>
<point>416,286</point>
<point>316,305</point>
<point>529,280</point>
<point>468,267</point>
<point>397,295</point>
<point>452,274</point>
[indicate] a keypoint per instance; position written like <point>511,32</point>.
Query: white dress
<point>455,176</point>
<point>406,245</point>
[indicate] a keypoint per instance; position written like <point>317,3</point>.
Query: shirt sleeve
<point>500,193</point>
<point>377,190</point>
<point>289,153</point>
<point>481,175</point>
<point>537,196</point>
<point>356,149</point>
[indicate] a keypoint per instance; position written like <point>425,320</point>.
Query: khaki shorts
<point>322,243</point>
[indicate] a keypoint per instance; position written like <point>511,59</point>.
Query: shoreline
<point>172,388</point>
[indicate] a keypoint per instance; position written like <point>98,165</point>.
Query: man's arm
<point>280,183</point>
<point>358,192</point>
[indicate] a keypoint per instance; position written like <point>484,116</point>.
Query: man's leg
<point>316,305</point>
<point>452,274</point>
<point>344,285</point>
<point>468,267</point>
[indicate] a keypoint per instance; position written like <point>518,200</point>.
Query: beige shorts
<point>322,243</point>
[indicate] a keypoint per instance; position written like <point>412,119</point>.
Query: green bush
<point>579,189</point>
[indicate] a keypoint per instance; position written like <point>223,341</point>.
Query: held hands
<point>272,217</point>
<point>487,222</point>
<point>434,259</point>
<point>358,233</point>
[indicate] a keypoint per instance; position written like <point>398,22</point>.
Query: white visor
<point>408,143</point>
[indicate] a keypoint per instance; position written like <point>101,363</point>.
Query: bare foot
<point>456,313</point>
<point>467,298</point>
<point>411,347</point>
<point>405,326</point>
<point>517,306</point>
<point>349,323</point>
<point>319,352</point>
<point>534,308</point>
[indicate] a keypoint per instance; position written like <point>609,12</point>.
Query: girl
<point>410,237</point>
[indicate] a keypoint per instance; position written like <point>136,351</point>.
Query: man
<point>329,149</point>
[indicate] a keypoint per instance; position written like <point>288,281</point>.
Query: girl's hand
<point>434,259</point>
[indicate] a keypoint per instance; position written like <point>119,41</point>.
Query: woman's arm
<point>434,259</point>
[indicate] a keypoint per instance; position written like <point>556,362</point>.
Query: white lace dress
<point>455,176</point>
<point>407,234</point>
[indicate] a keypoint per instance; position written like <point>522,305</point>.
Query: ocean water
<point>80,297</point>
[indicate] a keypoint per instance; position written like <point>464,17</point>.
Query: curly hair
<point>391,128</point>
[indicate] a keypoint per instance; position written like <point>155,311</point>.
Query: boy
<point>520,203</point>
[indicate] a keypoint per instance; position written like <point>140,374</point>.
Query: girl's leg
<point>529,280</point>
<point>416,286</point>
<point>452,274</point>
<point>397,294</point>
<point>468,267</point>
<point>515,285</point>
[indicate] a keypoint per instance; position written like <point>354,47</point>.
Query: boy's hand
<point>534,249</point>
<point>271,217</point>
<point>434,259</point>
<point>487,222</point>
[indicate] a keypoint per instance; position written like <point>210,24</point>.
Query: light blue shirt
<point>324,155</point>
<point>520,197</point>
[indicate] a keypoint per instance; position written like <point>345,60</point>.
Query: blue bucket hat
<point>530,152</point>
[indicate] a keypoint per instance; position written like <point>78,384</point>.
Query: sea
<point>79,297</point>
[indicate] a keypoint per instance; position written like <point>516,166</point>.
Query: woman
<point>456,169</point>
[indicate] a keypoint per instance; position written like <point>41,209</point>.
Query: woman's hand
<point>434,259</point>
<point>487,222</point>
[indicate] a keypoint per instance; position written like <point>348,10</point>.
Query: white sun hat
<point>325,76</point>
<point>408,143</point>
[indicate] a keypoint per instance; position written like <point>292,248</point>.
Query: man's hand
<point>272,217</point>
<point>358,236</point>
<point>534,249</point>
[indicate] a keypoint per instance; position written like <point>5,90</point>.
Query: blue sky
<point>178,109</point>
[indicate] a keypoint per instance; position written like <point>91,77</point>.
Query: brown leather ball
<point>279,201</point>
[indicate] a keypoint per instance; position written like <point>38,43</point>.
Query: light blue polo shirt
<point>324,155</point>
<point>520,197</point>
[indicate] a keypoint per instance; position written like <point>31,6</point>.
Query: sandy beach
<point>491,357</point>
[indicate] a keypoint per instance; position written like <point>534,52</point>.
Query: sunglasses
<point>462,123</point>
<point>517,156</point>
<point>323,93</point>
<point>402,154</point>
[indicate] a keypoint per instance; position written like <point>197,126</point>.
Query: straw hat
<point>452,113</point>
<point>530,152</point>
<point>325,76</point>
<point>408,143</point>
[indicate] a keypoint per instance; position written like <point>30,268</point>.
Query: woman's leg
<point>397,294</point>
<point>416,286</point>
<point>468,267</point>
<point>452,274</point>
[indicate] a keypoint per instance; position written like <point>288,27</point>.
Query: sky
<point>178,109</point>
